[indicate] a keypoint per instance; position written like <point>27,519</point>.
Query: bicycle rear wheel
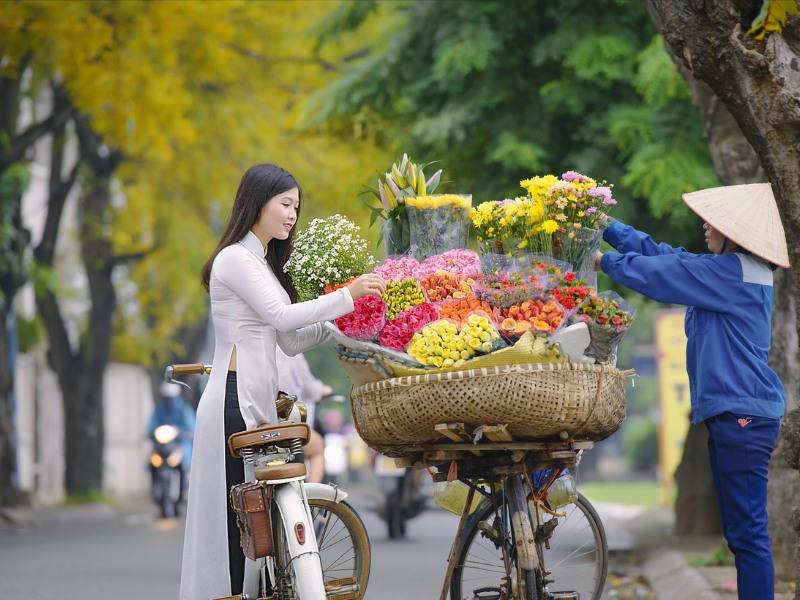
<point>577,559</point>
<point>344,547</point>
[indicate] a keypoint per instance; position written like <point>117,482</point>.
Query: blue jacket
<point>727,323</point>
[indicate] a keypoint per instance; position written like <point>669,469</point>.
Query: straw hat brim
<point>745,214</point>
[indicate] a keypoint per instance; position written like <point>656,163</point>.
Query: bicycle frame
<point>291,503</point>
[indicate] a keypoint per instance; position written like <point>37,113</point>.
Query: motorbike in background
<point>400,497</point>
<point>166,468</point>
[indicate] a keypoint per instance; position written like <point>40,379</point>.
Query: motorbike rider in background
<point>172,409</point>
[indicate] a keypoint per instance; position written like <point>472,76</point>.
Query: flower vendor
<point>733,390</point>
<point>254,310</point>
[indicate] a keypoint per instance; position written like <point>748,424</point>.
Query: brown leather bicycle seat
<point>273,435</point>
<point>284,471</point>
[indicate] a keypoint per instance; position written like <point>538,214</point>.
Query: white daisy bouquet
<point>328,252</point>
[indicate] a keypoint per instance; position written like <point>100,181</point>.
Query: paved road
<point>100,556</point>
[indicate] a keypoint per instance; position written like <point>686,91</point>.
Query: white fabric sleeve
<point>246,278</point>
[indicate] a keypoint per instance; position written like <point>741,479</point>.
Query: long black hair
<point>258,185</point>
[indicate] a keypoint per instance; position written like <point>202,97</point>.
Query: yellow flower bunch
<point>479,333</point>
<point>440,201</point>
<point>400,295</point>
<point>523,226</point>
<point>537,186</point>
<point>442,344</point>
<point>486,219</point>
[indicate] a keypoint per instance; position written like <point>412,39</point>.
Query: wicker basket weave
<point>536,402</point>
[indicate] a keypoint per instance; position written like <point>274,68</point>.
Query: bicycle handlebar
<point>185,369</point>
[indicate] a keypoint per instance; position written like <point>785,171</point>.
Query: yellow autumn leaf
<point>772,17</point>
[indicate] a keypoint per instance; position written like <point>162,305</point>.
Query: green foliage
<point>29,332</point>
<point>721,557</point>
<point>13,181</point>
<point>500,91</point>
<point>640,441</point>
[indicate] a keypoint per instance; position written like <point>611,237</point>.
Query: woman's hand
<point>367,284</point>
<point>598,256</point>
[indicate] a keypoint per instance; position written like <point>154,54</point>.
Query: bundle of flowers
<point>402,181</point>
<point>506,287</point>
<point>395,269</point>
<point>402,294</point>
<point>443,344</point>
<point>542,315</point>
<point>438,223</point>
<point>366,320</point>
<point>443,285</point>
<point>460,310</point>
<point>609,318</point>
<point>397,333</point>
<point>545,269</point>
<point>579,205</point>
<point>327,252</point>
<point>486,219</point>
<point>457,260</point>
<point>571,291</point>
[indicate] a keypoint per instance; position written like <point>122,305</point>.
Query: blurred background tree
<point>154,109</point>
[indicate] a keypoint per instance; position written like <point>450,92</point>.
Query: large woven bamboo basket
<point>536,402</point>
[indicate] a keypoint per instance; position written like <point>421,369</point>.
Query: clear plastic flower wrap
<point>444,285</point>
<point>496,263</point>
<point>577,246</point>
<point>397,332</point>
<point>366,320</point>
<point>397,268</point>
<point>402,294</point>
<point>609,318</point>
<point>458,261</point>
<point>438,223</point>
<point>505,288</point>
<point>540,314</point>
<point>459,309</point>
<point>549,269</point>
<point>571,291</point>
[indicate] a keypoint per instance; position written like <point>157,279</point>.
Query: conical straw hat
<point>745,214</point>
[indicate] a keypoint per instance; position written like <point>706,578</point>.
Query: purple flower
<point>591,209</point>
<point>600,192</point>
<point>573,176</point>
<point>609,202</point>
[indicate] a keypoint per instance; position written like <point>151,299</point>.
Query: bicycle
<point>511,545</point>
<point>332,563</point>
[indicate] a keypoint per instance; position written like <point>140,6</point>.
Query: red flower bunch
<point>366,320</point>
<point>397,332</point>
<point>572,292</point>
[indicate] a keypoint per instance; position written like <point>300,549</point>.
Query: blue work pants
<point>740,447</point>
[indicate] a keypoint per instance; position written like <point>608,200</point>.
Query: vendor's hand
<point>367,284</point>
<point>598,256</point>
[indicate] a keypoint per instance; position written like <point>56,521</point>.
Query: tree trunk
<point>8,456</point>
<point>758,82</point>
<point>784,479</point>
<point>80,371</point>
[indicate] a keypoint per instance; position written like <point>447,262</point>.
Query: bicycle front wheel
<point>344,548</point>
<point>498,557</point>
<point>577,559</point>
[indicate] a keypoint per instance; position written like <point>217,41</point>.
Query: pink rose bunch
<point>366,320</point>
<point>393,269</point>
<point>454,261</point>
<point>397,332</point>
